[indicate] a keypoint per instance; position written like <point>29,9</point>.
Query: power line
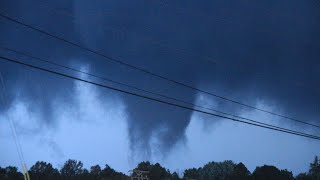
<point>154,99</point>
<point>14,132</point>
<point>136,88</point>
<point>153,74</point>
<point>118,28</point>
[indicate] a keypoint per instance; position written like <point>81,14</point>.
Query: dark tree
<point>85,175</point>
<point>286,175</point>
<point>95,172</point>
<point>314,170</point>
<point>42,170</point>
<point>192,173</point>
<point>159,172</point>
<point>271,173</point>
<point>217,170</point>
<point>2,173</point>
<point>226,170</point>
<point>156,171</point>
<point>10,173</point>
<point>240,172</point>
<point>109,173</point>
<point>175,176</point>
<point>303,176</point>
<point>266,173</point>
<point>71,169</point>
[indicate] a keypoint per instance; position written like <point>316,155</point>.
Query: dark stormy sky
<point>263,53</point>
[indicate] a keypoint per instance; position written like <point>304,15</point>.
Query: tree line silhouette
<point>226,170</point>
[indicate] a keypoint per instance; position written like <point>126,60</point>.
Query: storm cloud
<point>248,51</point>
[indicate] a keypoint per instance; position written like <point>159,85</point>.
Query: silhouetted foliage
<point>240,172</point>
<point>217,170</point>
<point>2,173</point>
<point>109,173</point>
<point>175,176</point>
<point>156,171</point>
<point>192,173</point>
<point>71,169</point>
<point>314,171</point>
<point>266,173</point>
<point>42,170</point>
<point>285,174</point>
<point>271,173</point>
<point>95,172</point>
<point>10,173</point>
<point>303,176</point>
<point>226,170</point>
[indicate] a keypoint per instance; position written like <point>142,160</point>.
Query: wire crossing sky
<point>149,72</point>
<point>161,101</point>
<point>160,95</point>
<point>256,63</point>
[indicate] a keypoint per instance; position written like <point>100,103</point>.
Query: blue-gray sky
<point>261,53</point>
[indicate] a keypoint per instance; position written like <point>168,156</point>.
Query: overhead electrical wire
<point>154,99</point>
<point>14,132</point>
<point>109,58</point>
<point>118,28</point>
<point>136,88</point>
